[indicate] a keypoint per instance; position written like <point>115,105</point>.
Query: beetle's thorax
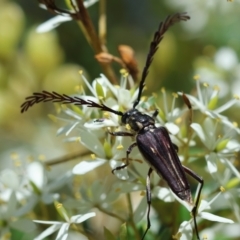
<point>137,120</point>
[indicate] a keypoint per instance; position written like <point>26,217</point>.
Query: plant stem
<point>77,228</point>
<point>131,221</point>
<point>94,41</point>
<point>102,22</point>
<point>110,214</point>
<point>67,157</point>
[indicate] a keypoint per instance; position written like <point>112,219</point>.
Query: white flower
<point>103,153</point>
<point>43,189</point>
<point>220,148</point>
<point>61,18</point>
<point>185,231</point>
<point>62,226</point>
<point>226,58</point>
<point>90,133</point>
<point>206,102</point>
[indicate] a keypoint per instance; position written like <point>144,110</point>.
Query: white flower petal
<point>211,162</point>
<point>122,173</point>
<point>89,3</point>
<point>53,23</point>
<point>186,230</point>
<point>72,113</point>
<point>82,217</point>
<point>139,213</point>
<point>100,123</point>
<point>212,217</point>
<point>89,140</point>
<point>11,206</point>
<point>58,182</point>
<point>110,86</point>
<point>89,86</point>
<point>209,127</point>
<point>7,174</point>
<point>63,232</point>
<point>231,166</point>
<point>226,106</point>
<point>48,222</point>
<point>197,103</point>
<point>198,129</point>
<point>26,208</point>
<point>164,194</point>
<point>124,97</point>
<point>48,231</point>
<point>172,128</point>
<point>226,58</point>
<point>35,172</point>
<point>127,187</point>
<point>187,205</point>
<point>67,129</point>
<point>204,205</point>
<point>233,146</point>
<point>86,166</point>
<point>99,191</point>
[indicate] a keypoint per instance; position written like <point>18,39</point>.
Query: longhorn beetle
<point>154,143</point>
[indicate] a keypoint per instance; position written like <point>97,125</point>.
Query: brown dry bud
<point>104,57</point>
<point>127,56</point>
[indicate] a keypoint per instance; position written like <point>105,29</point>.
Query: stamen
<point>87,83</point>
<point>226,106</point>
<point>175,95</point>
<point>222,189</point>
<point>42,157</point>
<point>164,101</point>
<point>197,77</point>
<point>120,147</point>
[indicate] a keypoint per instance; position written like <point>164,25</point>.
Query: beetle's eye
<point>124,119</point>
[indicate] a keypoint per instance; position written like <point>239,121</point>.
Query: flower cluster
<point>216,132</point>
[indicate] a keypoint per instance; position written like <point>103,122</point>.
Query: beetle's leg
<point>148,192</point>
<point>127,160</point>
<point>123,134</point>
<point>194,210</point>
<point>155,113</point>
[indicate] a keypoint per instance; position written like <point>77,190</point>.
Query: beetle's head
<point>127,115</point>
<point>133,118</point>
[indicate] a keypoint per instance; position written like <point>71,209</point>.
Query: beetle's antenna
<point>158,36</point>
<point>46,96</point>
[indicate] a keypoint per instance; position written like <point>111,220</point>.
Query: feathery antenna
<point>158,36</point>
<point>46,96</point>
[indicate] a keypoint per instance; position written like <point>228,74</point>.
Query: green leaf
<point>213,103</point>
<point>108,235</point>
<point>107,149</point>
<point>161,114</point>
<point>61,210</point>
<point>35,188</point>
<point>99,90</point>
<point>234,182</point>
<point>222,144</point>
<point>77,109</point>
<point>52,117</point>
<point>123,232</point>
